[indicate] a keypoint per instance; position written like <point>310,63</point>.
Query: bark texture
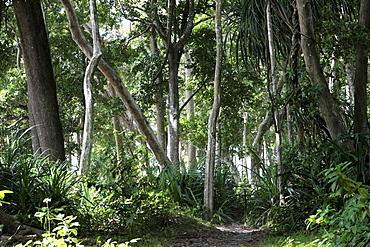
<point>174,34</point>
<point>275,107</point>
<point>327,105</point>
<point>160,104</point>
<point>14,227</point>
<point>88,93</point>
<point>360,122</point>
<point>212,120</point>
<point>47,134</point>
<point>190,148</point>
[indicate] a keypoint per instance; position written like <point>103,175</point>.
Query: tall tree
<point>212,120</point>
<point>47,133</point>
<point>360,122</point>
<point>327,105</point>
<point>160,103</point>
<point>274,98</point>
<point>175,34</point>
<point>88,92</point>
<point>190,148</point>
<point>119,87</point>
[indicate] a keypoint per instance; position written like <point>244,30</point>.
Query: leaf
<point>3,192</point>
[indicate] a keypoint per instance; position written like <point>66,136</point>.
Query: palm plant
<point>32,179</point>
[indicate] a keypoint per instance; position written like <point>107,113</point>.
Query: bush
<point>349,224</point>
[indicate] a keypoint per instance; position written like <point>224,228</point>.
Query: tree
<point>47,133</point>
<point>360,121</point>
<point>175,38</point>
<point>160,100</point>
<point>119,87</point>
<point>327,106</point>
<point>190,148</point>
<point>275,107</point>
<point>88,123</point>
<point>212,121</point>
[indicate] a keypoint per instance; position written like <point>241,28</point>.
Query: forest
<point>142,122</point>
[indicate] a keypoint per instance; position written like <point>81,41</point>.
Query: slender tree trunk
<point>174,34</point>
<point>275,107</point>
<point>327,105</point>
<point>257,146</point>
<point>173,100</point>
<point>47,133</point>
<point>190,148</point>
<point>360,122</point>
<point>88,123</point>
<point>246,168</point>
<point>160,104</point>
<point>119,87</point>
<point>350,89</point>
<point>117,137</point>
<point>212,121</point>
<point>294,58</point>
<point>116,127</point>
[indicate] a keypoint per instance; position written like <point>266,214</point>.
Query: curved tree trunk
<point>88,92</point>
<point>327,105</point>
<point>119,87</point>
<point>47,132</point>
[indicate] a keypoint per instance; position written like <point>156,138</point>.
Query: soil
<point>222,236</point>
<point>179,232</point>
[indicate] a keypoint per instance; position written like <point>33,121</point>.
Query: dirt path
<point>225,236</point>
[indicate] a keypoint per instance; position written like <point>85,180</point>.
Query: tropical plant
<point>345,217</point>
<point>2,195</point>
<point>32,178</point>
<point>65,232</point>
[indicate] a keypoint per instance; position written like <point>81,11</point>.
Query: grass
<point>298,239</point>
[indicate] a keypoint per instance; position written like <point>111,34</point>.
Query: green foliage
<point>2,195</point>
<point>228,204</point>
<point>304,190</point>
<point>262,205</point>
<point>65,232</point>
<point>345,224</point>
<point>31,178</point>
<point>297,239</point>
<point>339,33</point>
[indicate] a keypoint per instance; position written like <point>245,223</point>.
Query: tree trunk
<point>327,105</point>
<point>14,227</point>
<point>119,87</point>
<point>275,107</point>
<point>47,132</point>
<point>174,56</point>
<point>257,146</point>
<point>212,121</point>
<point>360,123</point>
<point>88,123</point>
<point>174,34</point>
<point>190,148</point>
<point>160,104</point>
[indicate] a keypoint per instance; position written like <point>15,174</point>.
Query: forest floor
<point>188,232</point>
<point>178,232</point>
<point>223,236</point>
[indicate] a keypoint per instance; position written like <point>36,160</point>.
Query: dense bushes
<point>326,187</point>
<point>131,197</point>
